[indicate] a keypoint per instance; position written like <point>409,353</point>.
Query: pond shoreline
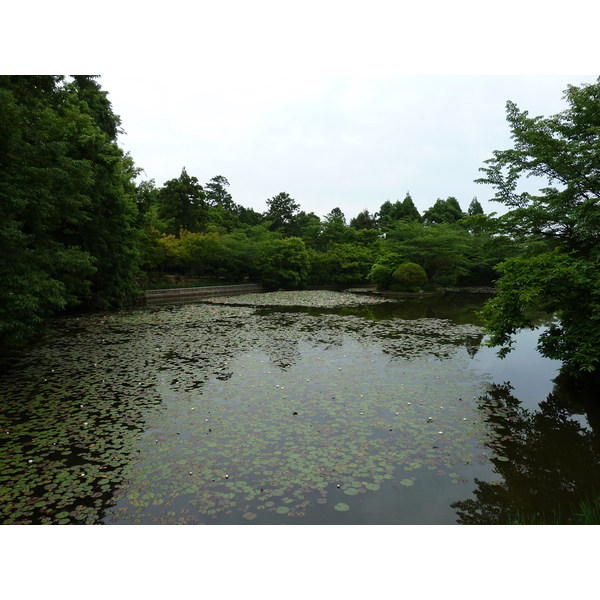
<point>439,292</point>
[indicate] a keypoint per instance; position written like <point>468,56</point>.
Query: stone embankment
<point>201,292</point>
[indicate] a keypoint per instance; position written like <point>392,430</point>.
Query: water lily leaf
<point>342,507</point>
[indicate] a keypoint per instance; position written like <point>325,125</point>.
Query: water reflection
<point>152,408</point>
<point>548,423</point>
<point>551,462</point>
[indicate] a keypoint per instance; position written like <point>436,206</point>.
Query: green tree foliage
<point>561,225</point>
<point>553,281</point>
<point>97,104</point>
<point>350,263</point>
<point>410,210</point>
<point>475,208</point>
<point>306,226</point>
<point>281,212</point>
<point>444,211</point>
<point>334,229</point>
<point>441,249</point>
<point>110,232</point>
<point>390,213</point>
<point>409,277</point>
<point>248,216</point>
<point>364,220</point>
<point>67,232</point>
<point>217,193</point>
<point>182,204</point>
<point>283,263</point>
<point>381,272</point>
<point>221,220</point>
<point>337,215</point>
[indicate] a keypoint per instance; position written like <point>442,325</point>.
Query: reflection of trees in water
<point>553,460</point>
<point>397,338</point>
<point>282,350</point>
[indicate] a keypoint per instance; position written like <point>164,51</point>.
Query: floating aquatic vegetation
<point>214,413</point>
<point>313,298</point>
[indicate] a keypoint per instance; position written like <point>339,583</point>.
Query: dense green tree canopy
<point>444,211</point>
<point>390,213</point>
<point>441,249</point>
<point>559,229</point>
<point>283,263</point>
<point>68,229</point>
<point>364,220</point>
<point>182,203</point>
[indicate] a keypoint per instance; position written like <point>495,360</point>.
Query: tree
<point>248,216</point>
<point>39,197</point>
<point>381,272</point>
<point>217,194</point>
<point>336,214</point>
<point>410,277</point>
<point>386,215</point>
<point>350,263</point>
<point>284,263</point>
<point>441,249</point>
<point>561,225</point>
<point>334,229</point>
<point>444,211</point>
<point>111,232</point>
<point>364,220</point>
<point>410,210</point>
<point>475,208</point>
<point>97,104</point>
<point>69,213</point>
<point>306,226</point>
<point>281,211</point>
<point>390,213</point>
<point>182,203</point>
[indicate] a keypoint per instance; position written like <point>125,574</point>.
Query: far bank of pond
<point>291,407</point>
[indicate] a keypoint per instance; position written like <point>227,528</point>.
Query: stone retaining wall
<point>208,291</point>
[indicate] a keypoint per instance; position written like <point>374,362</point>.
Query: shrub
<point>381,276</point>
<point>410,277</point>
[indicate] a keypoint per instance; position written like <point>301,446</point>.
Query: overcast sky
<point>338,103</point>
<point>346,141</point>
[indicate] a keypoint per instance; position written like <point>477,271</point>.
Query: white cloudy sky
<point>340,104</point>
<point>347,141</point>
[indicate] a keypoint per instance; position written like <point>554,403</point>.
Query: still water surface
<point>321,409</point>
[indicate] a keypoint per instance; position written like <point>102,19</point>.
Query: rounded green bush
<point>381,275</point>
<point>410,276</point>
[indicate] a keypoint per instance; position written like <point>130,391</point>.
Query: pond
<point>288,408</point>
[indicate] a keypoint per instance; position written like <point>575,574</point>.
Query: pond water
<point>289,408</point>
